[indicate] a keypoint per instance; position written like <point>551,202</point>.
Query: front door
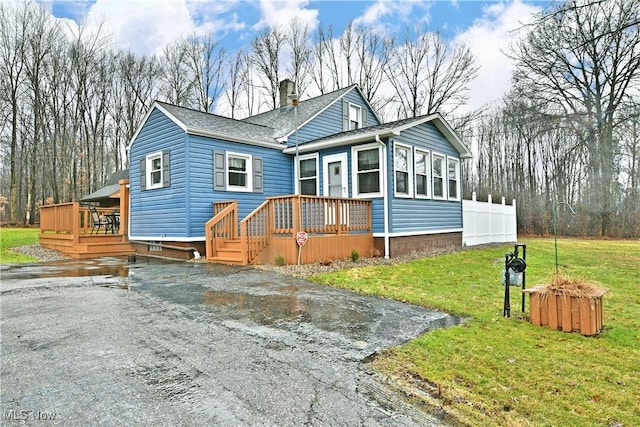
<point>335,175</point>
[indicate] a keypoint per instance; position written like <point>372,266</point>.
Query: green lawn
<point>508,372</point>
<point>12,237</point>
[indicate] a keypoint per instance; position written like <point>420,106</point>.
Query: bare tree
<point>13,29</point>
<point>429,74</point>
<point>297,40</point>
<point>177,76</point>
<point>236,74</point>
<point>577,65</point>
<point>206,60</point>
<point>267,50</point>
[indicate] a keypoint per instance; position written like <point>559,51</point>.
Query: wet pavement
<point>105,342</point>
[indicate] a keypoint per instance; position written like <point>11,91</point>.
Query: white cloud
<point>400,11</point>
<point>488,38</point>
<point>143,26</point>
<point>280,13</point>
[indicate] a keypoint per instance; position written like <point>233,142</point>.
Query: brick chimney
<point>287,87</point>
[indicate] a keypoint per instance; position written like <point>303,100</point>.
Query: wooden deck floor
<point>88,245</point>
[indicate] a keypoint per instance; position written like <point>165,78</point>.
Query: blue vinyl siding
<point>422,215</point>
<point>161,212</point>
<point>277,177</point>
<point>329,122</point>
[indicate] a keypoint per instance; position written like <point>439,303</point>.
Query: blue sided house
<point>324,173</point>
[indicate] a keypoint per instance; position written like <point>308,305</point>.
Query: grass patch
<point>13,237</point>
<point>496,371</point>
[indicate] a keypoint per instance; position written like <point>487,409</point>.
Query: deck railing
<point>282,216</point>
<point>69,218</point>
<point>320,215</point>
<point>256,230</point>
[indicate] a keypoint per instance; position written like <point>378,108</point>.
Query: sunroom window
<point>402,165</point>
<point>438,176</point>
<point>453,167</point>
<point>367,170</point>
<point>422,170</point>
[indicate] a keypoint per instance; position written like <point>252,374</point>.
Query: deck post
<point>338,206</point>
<point>75,223</point>
<point>124,207</point>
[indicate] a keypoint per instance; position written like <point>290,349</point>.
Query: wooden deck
<point>335,227</point>
<point>67,228</point>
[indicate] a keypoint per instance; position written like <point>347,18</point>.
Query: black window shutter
<point>258,184</point>
<point>345,115</point>
<point>143,174</point>
<point>218,171</point>
<point>166,168</point>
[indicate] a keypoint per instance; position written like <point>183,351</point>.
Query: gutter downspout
<point>385,198</point>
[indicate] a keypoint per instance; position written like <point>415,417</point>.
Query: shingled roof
<point>282,119</point>
<point>199,122</point>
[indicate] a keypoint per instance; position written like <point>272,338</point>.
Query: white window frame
<point>457,172</point>
<point>249,171</point>
<point>358,110</point>
<point>354,170</point>
<point>297,172</point>
<point>408,171</point>
<point>427,155</point>
<point>150,185</point>
<point>443,177</point>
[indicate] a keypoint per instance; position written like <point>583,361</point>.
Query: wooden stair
<point>229,252</point>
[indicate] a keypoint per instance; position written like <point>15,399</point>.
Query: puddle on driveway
<point>245,293</point>
<point>108,266</point>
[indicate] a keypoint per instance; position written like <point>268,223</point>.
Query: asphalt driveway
<point>106,342</point>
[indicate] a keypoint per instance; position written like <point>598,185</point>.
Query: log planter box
<point>570,308</point>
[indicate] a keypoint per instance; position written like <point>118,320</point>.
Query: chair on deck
<point>98,222</point>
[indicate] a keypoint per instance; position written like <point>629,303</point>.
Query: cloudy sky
<point>146,26</point>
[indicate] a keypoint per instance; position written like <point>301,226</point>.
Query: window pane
<point>437,166</point>
<point>155,177</point>
<point>437,187</point>
<point>307,168</point>
<point>237,164</point>
<point>453,169</point>
<point>156,164</point>
<point>354,117</point>
<point>401,159</point>
<point>402,185</point>
<point>421,184</point>
<point>238,179</point>
<point>368,160</point>
<point>421,164</point>
<point>308,187</point>
<point>453,189</point>
<point>368,182</point>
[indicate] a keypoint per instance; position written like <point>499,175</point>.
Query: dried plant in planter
<point>568,304</point>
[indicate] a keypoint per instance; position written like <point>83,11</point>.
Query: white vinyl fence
<point>485,222</point>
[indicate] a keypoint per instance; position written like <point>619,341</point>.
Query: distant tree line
<point>70,103</point>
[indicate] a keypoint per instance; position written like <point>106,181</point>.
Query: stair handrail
<point>254,236</point>
<point>223,224</point>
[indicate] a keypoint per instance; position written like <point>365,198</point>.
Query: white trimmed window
<point>453,178</point>
<point>154,171</point>
<point>308,175</point>
<point>438,172</point>
<point>239,172</point>
<point>402,163</point>
<point>422,170</point>
<point>366,171</point>
<point>355,117</point>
